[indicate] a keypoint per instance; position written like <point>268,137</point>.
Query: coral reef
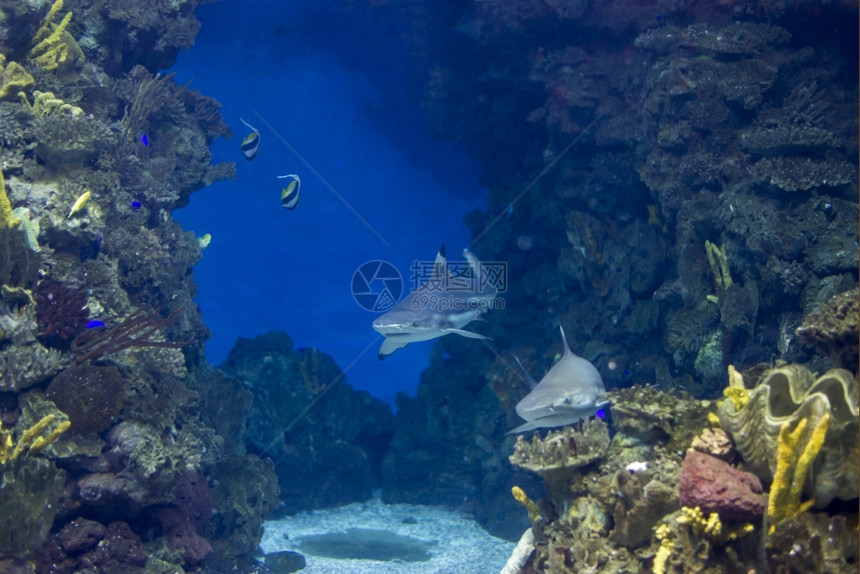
<point>785,399</point>
<point>833,329</point>
<point>81,272</point>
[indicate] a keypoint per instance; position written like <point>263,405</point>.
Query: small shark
<point>432,311</point>
<point>571,390</point>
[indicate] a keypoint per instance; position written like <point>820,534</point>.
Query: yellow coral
<point>736,391</point>
<point>14,79</point>
<point>712,527</point>
<point>53,45</point>
<point>664,552</point>
<point>32,440</point>
<point>796,451</point>
<point>7,219</point>
<point>532,508</point>
<point>719,260</point>
<point>46,103</point>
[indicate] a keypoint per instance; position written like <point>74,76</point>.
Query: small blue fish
<point>251,144</point>
<point>95,324</point>
<point>144,140</point>
<point>290,193</point>
<point>135,204</point>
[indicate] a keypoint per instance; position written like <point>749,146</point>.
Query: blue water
<point>269,268</point>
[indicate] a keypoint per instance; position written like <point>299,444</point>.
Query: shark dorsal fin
<point>567,350</point>
<point>440,266</point>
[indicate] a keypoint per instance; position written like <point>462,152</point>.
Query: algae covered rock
<point>787,395</point>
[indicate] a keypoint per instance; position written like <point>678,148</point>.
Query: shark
<point>571,390</point>
<point>436,307</point>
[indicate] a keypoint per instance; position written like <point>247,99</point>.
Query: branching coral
<point>796,451</point>
<point>33,439</point>
<point>52,46</point>
<point>719,261</point>
<point>136,331</point>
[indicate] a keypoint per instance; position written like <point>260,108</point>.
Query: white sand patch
<point>461,545</point>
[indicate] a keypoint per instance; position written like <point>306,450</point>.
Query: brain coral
<point>786,395</point>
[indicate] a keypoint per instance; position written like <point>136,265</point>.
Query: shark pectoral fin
<point>389,346</point>
<point>465,333</point>
<point>521,429</point>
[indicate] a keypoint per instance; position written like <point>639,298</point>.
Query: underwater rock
<point>285,562</point>
<point>181,536</point>
<point>715,486</point>
<point>244,494</point>
<point>326,439</point>
<point>120,550</point>
<point>786,395</point>
<point>80,535</point>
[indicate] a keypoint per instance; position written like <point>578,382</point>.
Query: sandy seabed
<point>456,544</point>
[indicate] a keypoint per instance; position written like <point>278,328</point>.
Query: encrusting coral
<point>790,395</point>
